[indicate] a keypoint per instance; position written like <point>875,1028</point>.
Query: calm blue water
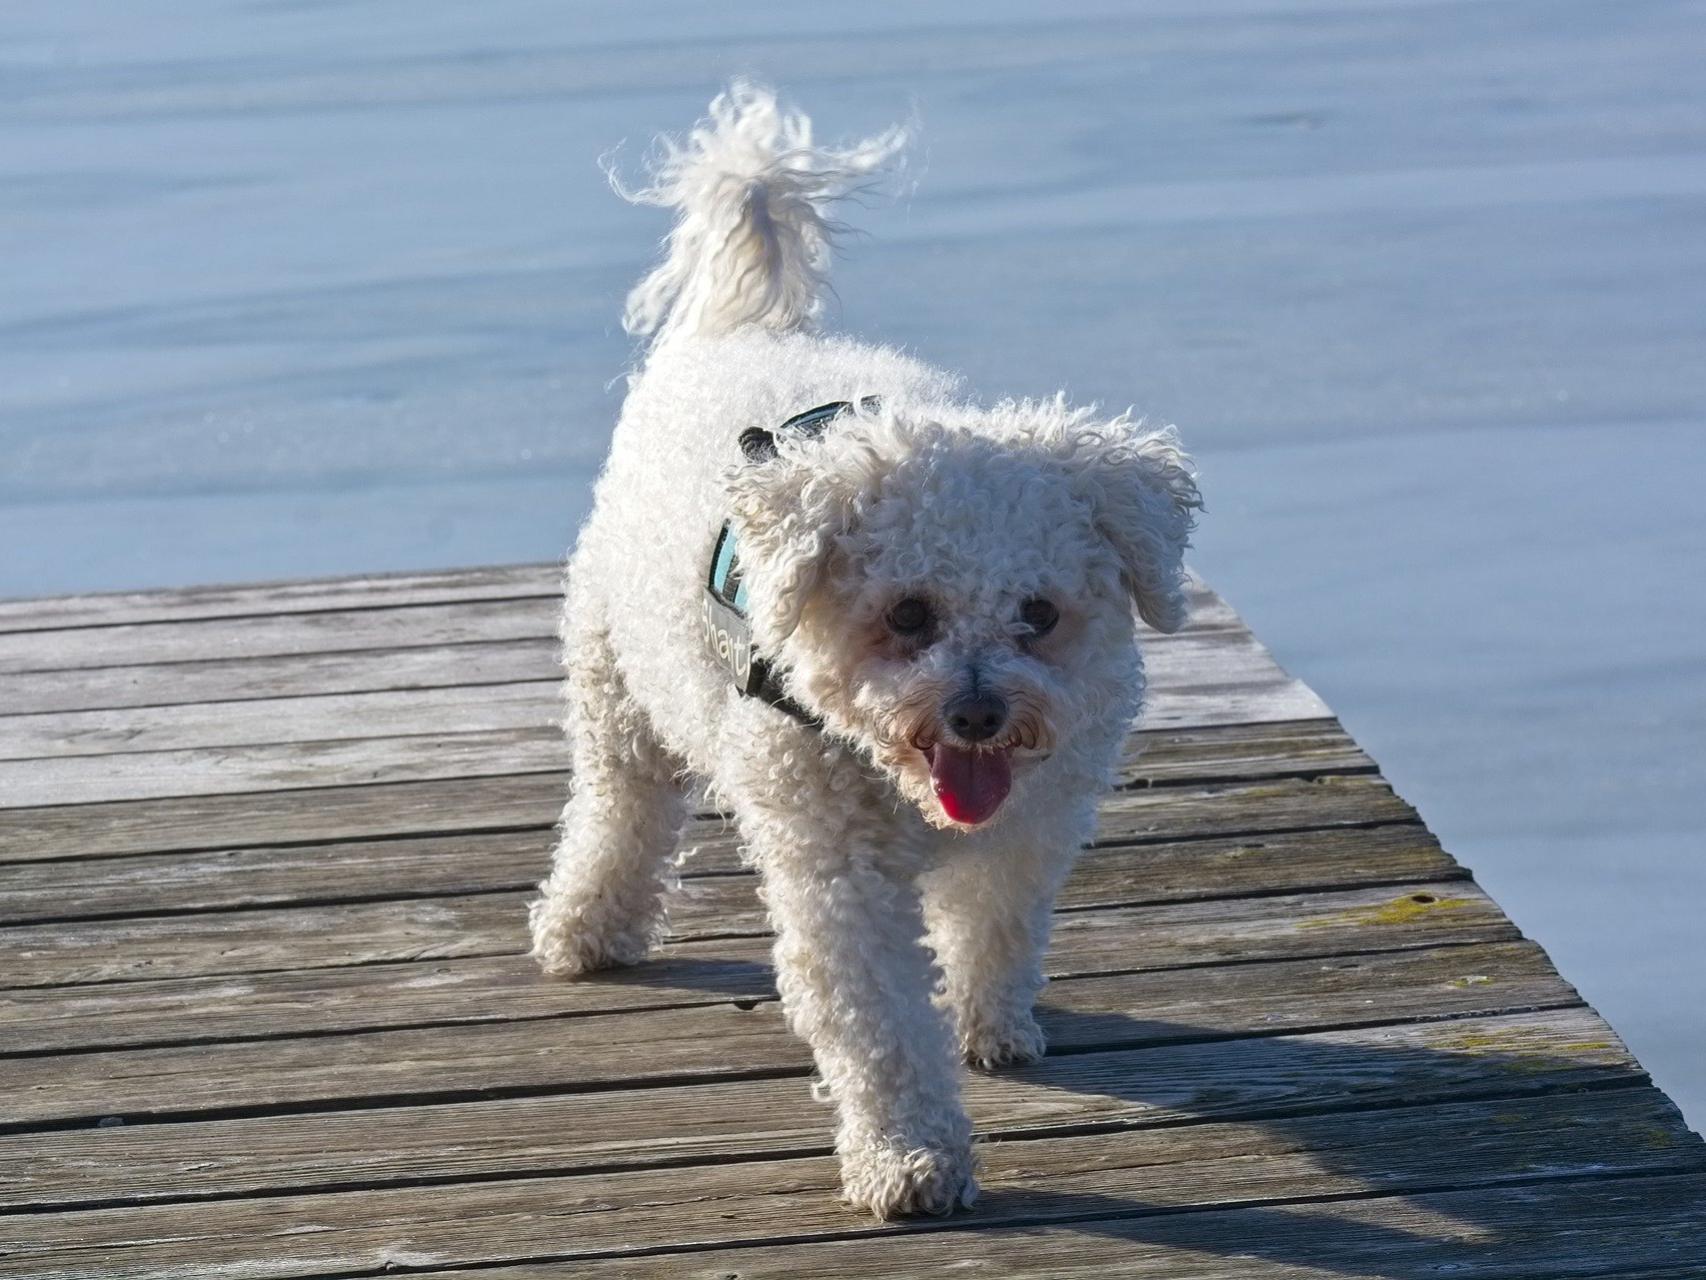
<point>304,288</point>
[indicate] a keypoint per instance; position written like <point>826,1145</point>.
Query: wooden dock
<point>263,855</point>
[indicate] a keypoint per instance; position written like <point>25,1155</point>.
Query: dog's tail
<point>752,239</point>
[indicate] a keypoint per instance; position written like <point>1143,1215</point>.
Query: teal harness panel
<point>726,581</point>
<point>727,634</point>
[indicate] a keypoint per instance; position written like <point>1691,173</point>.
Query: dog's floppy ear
<point>786,515</point>
<point>1143,490</point>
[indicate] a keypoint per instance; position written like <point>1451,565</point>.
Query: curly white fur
<point>751,242</point>
<point>908,938</point>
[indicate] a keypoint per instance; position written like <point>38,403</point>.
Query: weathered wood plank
<point>335,631</point>
<point>347,630</point>
<point>269,721</point>
<point>217,680</point>
<point>1252,702</point>
<point>668,1043</point>
<point>314,595</point>
<point>287,766</point>
<point>1237,751</point>
<point>727,906</point>
<point>486,924</point>
<point>1189,659</point>
<point>1528,1142</point>
<point>310,815</point>
<point>1503,1056</point>
<point>1556,1230</point>
<point>89,888</point>
<point>1201,811</point>
<point>316,814</point>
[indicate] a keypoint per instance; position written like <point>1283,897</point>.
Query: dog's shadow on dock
<point>1262,1129</point>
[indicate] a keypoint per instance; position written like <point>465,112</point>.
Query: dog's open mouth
<point>969,784</point>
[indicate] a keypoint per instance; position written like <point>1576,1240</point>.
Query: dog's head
<point>959,602</point>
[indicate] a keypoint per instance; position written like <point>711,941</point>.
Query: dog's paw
<point>893,1181</point>
<point>566,947</point>
<point>1011,1041</point>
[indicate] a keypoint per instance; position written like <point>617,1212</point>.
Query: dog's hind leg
<point>602,904</point>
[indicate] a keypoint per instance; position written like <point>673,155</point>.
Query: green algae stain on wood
<point>1406,909</point>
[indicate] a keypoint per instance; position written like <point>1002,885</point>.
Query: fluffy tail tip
<point>752,237</point>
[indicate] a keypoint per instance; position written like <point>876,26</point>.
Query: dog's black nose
<point>976,717</point>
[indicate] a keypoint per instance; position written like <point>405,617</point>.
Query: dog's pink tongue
<point>970,784</point>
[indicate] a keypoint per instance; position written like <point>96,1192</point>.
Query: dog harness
<point>728,634</point>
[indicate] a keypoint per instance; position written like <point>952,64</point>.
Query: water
<point>305,288</point>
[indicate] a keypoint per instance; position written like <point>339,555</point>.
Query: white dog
<point>891,627</point>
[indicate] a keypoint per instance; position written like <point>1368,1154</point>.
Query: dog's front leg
<point>857,983</point>
<point>990,906</point>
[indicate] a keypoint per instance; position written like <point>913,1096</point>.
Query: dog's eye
<point>1039,615</point>
<point>910,617</point>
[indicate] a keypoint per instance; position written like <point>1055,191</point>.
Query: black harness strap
<point>759,443</point>
<point>727,632</point>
